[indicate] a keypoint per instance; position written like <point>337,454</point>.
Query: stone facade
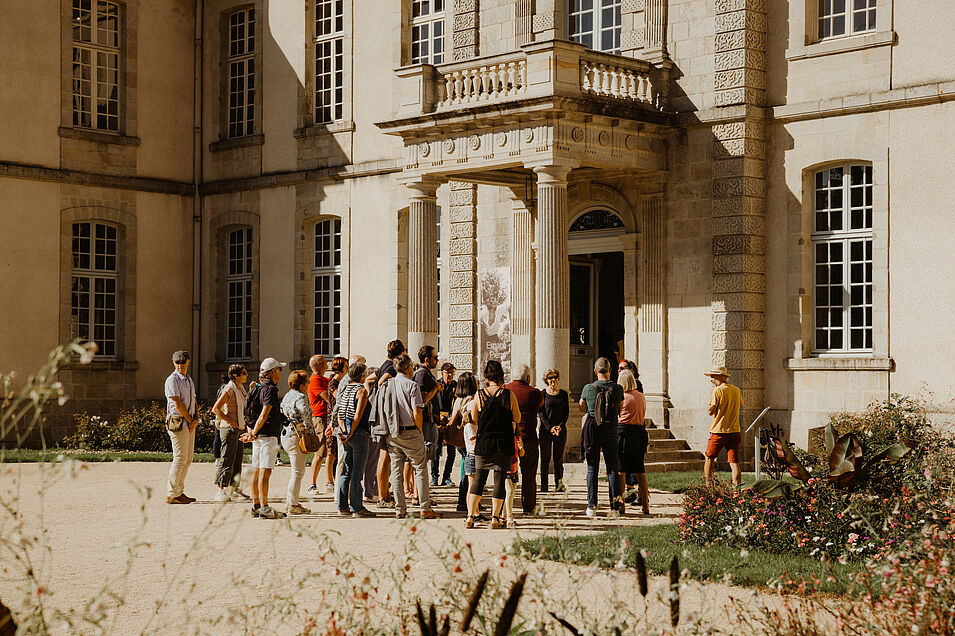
<point>702,136</point>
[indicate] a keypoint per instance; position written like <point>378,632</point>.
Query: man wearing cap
<point>181,425</point>
<point>265,439</point>
<point>725,403</point>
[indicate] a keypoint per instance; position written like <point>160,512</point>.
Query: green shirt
<point>589,394</point>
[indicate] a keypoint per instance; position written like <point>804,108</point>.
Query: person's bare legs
<point>644,492</point>
<point>737,474</point>
<point>474,502</point>
<point>264,475</point>
<point>330,462</point>
<point>708,469</point>
<point>410,489</point>
<point>317,462</point>
<point>255,487</point>
<point>384,474</point>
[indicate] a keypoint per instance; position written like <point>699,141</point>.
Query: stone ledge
<point>841,45</point>
<point>104,365</point>
<point>324,129</point>
<point>238,142</point>
<point>98,137</point>
<point>840,364</point>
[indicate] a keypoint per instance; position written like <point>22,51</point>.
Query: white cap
<point>270,363</point>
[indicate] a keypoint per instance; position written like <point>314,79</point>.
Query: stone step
<point>685,455</point>
<point>674,467</point>
<point>659,433</point>
<point>668,444</point>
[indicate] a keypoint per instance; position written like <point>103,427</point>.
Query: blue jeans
<point>606,441</point>
<point>353,468</point>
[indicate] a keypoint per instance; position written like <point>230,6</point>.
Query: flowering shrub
<point>137,429</point>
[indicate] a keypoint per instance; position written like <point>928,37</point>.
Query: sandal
<point>496,522</point>
<point>469,522</point>
<point>511,523</point>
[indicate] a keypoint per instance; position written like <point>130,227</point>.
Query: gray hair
<point>402,363</point>
<point>356,370</point>
<point>626,381</point>
<point>521,372</point>
<point>602,365</point>
<point>356,358</point>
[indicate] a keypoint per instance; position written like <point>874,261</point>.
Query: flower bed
<point>137,429</point>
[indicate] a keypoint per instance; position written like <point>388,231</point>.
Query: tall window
<point>239,283</point>
<point>427,31</point>
<point>327,287</point>
<point>845,17</point>
<point>595,24</point>
<point>241,63</point>
<point>97,32</point>
<point>329,60</point>
<point>842,249</point>
<point>95,284</point>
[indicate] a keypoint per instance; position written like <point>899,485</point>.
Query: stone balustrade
<point>482,83</point>
<point>616,81</point>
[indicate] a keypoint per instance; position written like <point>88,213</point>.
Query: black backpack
<point>253,406</point>
<point>606,406</point>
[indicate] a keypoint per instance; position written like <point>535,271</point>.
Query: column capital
<point>554,172</point>
<point>425,187</point>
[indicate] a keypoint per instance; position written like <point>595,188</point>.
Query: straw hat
<point>718,371</point>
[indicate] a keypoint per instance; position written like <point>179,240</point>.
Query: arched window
<point>327,287</point>
<point>239,295</point>
<point>842,259</point>
<point>596,220</point>
<point>595,24</point>
<point>94,304</point>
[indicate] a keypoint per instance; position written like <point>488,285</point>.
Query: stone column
<point>422,266</point>
<point>522,285</point>
<point>633,36</point>
<point>552,304</point>
<point>630,296</point>
<point>462,263</point>
<point>652,360</point>
<point>523,21</point>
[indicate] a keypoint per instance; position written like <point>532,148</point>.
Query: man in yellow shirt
<point>725,403</point>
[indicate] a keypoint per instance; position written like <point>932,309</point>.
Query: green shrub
<point>136,429</point>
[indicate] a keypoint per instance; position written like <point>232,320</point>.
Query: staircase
<point>667,454</point>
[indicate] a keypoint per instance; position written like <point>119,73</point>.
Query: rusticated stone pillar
<point>464,30</point>
<point>422,266</point>
<point>462,263</point>
<point>552,303</point>
<point>522,286</point>
<point>738,199</point>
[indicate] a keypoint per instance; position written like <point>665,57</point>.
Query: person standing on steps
<point>725,404</point>
<point>601,401</point>
<point>181,422</point>
<point>553,414</point>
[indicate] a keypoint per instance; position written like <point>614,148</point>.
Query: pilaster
<point>652,360</point>
<point>522,285</point>
<point>524,21</point>
<point>462,264</point>
<point>464,30</point>
<point>739,199</point>
<point>422,265</point>
<point>548,21</point>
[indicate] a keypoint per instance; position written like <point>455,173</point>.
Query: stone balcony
<point>544,102</point>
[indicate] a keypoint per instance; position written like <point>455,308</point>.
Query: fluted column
<point>552,304</point>
<point>522,285</point>
<point>422,266</point>
<point>630,296</point>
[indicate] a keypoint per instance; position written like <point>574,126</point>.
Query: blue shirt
<point>181,386</point>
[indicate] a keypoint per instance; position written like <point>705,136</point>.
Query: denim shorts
<point>469,465</point>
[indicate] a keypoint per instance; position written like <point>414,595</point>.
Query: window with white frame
<point>239,295</point>
<point>427,31</point>
<point>839,18</point>
<point>595,24</point>
<point>329,60</point>
<point>95,285</point>
<point>327,287</point>
<point>97,63</point>
<point>842,256</point>
<point>241,66</point>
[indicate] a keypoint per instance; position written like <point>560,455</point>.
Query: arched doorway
<point>596,293</point>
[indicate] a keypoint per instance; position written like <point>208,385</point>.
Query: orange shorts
<point>719,441</point>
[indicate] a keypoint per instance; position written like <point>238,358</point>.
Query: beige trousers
<point>183,444</point>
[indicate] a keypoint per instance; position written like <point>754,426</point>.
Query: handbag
<point>308,440</point>
<point>175,422</point>
<point>454,430</point>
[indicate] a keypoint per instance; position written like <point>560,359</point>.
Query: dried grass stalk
<point>510,607</point>
<point>473,602</point>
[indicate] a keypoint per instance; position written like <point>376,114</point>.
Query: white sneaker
<point>311,490</point>
<point>222,496</point>
<point>236,493</point>
<point>591,513</point>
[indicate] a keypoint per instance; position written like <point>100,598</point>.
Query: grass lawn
<point>714,562</point>
<point>678,481</point>
<point>12,456</point>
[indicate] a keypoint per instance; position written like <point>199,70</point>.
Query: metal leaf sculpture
<point>845,468</point>
<point>785,455</point>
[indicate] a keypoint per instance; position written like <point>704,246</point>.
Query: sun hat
<point>270,363</point>
<point>718,371</point>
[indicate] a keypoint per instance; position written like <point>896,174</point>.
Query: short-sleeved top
<point>633,408</point>
<point>589,394</point>
<point>317,384</point>
<point>181,386</point>
<point>386,367</point>
<point>426,382</point>
<point>529,401</point>
<point>269,396</point>
<point>409,399</point>
<point>349,406</point>
<point>727,399</point>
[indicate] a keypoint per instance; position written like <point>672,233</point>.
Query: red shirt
<point>529,400</point>
<point>317,384</point>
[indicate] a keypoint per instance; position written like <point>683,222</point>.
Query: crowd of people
<point>380,432</point>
